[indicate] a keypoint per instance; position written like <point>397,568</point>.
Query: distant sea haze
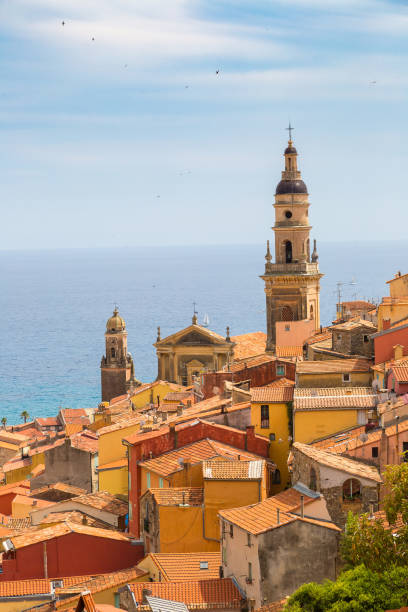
<point>55,304</point>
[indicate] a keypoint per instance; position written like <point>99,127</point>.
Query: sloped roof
<point>289,351</point>
<point>400,372</point>
<point>337,366</point>
<point>251,362</point>
<point>176,496</point>
<point>34,586</point>
<point>186,566</point>
<point>248,345</point>
<point>74,516</point>
<point>62,529</point>
<point>273,394</point>
<point>85,440</point>
<point>194,328</point>
<point>344,464</point>
<point>264,516</point>
<point>171,461</point>
<point>101,500</point>
<point>354,324</point>
<point>323,398</point>
<point>233,470</point>
<point>213,593</point>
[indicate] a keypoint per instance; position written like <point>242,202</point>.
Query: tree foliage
<point>356,590</point>
<point>396,501</point>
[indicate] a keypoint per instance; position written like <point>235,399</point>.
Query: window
<point>366,338</point>
<point>148,480</point>
<point>265,416</point>
<point>203,565</point>
<point>161,483</point>
<point>231,530</point>
<point>286,314</point>
<point>374,451</point>
<point>351,490</point>
<point>346,378</point>
<point>405,451</point>
<point>224,555</point>
<point>338,336</point>
<point>272,437</point>
<point>248,539</point>
<point>250,572</point>
<point>113,352</point>
<point>288,251</point>
<point>313,479</point>
<point>276,477</point>
<point>280,370</point>
<point>287,327</point>
<point>288,214</point>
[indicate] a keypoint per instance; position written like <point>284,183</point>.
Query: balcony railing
<point>292,268</point>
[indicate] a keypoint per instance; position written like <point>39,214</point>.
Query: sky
<point>116,130</point>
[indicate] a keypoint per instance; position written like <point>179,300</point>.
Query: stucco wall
<point>66,464</point>
<point>236,554</point>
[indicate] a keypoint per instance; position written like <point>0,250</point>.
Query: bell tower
<point>292,283</point>
<point>117,370</point>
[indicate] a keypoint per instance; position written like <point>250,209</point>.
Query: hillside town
<point>227,482</point>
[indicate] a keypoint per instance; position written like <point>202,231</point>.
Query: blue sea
<point>54,306</point>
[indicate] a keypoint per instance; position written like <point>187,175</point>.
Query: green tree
<point>24,415</point>
<point>356,590</point>
<point>396,501</point>
<point>4,422</point>
<point>366,541</point>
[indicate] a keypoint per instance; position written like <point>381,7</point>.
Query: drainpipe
<point>302,506</point>
<point>45,560</point>
<point>204,536</point>
<point>278,516</point>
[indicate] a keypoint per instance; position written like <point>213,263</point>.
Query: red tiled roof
<point>175,496</point>
<point>248,345</point>
<point>263,516</point>
<point>233,470</point>
<point>101,500</point>
<point>186,566</point>
<point>400,372</point>
<point>47,422</point>
<point>35,586</point>
<point>85,440</point>
<point>113,465</point>
<point>323,398</point>
<point>337,366</point>
<point>168,462</point>
<point>215,593</point>
<point>272,394</point>
<point>289,351</point>
<point>251,362</point>
<point>324,335</point>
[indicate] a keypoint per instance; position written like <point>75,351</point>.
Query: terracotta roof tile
<point>74,517</point>
<point>175,496</point>
<point>272,394</point>
<point>168,463</point>
<point>337,366</point>
<point>324,335</point>
<point>34,503</point>
<point>261,517</point>
<point>248,345</point>
<point>344,464</point>
<point>289,351</point>
<point>233,470</point>
<point>187,566</point>
<point>103,582</point>
<point>47,421</point>
<point>251,362</point>
<point>276,606</point>
<point>280,382</point>
<point>176,396</point>
<point>62,529</point>
<point>354,324</point>
<point>73,428</point>
<point>334,397</point>
<point>101,500</point>
<point>35,586</point>
<point>359,305</point>
<point>113,465</point>
<point>85,440</point>
<point>215,593</point>
<point>381,516</point>
<point>400,372</point>
<point>59,486</point>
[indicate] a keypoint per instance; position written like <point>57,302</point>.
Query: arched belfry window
<point>288,251</point>
<point>286,313</point>
<point>113,352</point>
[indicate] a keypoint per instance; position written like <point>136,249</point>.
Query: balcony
<point>291,268</point>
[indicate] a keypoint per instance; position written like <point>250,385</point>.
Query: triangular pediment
<point>193,335</point>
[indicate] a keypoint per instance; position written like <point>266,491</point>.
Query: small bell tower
<point>117,370</point>
<point>292,283</point>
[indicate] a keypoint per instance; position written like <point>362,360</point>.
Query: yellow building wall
<point>154,481</point>
<point>181,530</point>
<point>22,472</point>
<point>114,481</point>
<point>357,379</point>
<point>148,565</point>
<point>161,389</point>
<point>224,494</point>
<point>190,476</point>
<point>392,312</point>
<point>313,424</point>
<point>106,596</point>
<point>278,425</point>
<point>19,510</point>
<point>110,447</point>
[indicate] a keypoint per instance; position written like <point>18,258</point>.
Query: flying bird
<point>373,82</point>
<point>63,23</point>
<point>186,87</point>
<point>217,71</point>
<point>93,39</point>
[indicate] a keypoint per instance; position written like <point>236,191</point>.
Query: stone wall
<point>296,553</point>
<point>66,464</point>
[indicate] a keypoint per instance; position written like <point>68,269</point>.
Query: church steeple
<point>292,282</point>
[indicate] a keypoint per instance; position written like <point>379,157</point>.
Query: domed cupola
<point>291,181</point>
<point>115,323</point>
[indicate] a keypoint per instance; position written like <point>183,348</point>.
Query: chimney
<point>302,506</point>
<point>173,434</point>
<point>145,593</point>
<point>180,409</point>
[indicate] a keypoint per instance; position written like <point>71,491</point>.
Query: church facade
<point>292,281</point>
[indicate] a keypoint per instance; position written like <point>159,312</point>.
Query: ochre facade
<point>190,352</point>
<point>292,283</point>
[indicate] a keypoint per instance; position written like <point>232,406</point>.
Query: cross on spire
<point>290,129</point>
